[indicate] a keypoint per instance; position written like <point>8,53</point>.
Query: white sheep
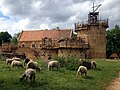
<point>93,64</point>
<point>33,65</point>
<point>16,64</point>
<point>52,64</point>
<point>9,61</point>
<point>82,70</point>
<point>28,74</point>
<point>16,58</point>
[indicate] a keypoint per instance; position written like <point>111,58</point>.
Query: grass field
<point>64,79</point>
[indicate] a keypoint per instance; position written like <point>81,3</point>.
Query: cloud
<point>4,10</point>
<point>111,10</point>
<point>20,25</point>
<point>42,14</point>
<point>43,26</point>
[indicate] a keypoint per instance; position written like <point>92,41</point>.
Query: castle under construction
<point>88,42</point>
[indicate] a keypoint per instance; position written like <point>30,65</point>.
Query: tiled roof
<point>114,55</point>
<point>37,35</point>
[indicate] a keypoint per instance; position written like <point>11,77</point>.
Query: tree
<point>14,39</point>
<point>113,41</point>
<point>5,37</point>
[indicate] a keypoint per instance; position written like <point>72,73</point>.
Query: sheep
<point>52,64</point>
<point>26,61</point>
<point>82,70</point>
<point>16,64</point>
<point>93,64</point>
<point>9,61</point>
<point>28,74</point>
<point>33,65</point>
<point>87,64</point>
<point>16,58</point>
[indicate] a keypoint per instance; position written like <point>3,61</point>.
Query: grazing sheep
<point>33,65</point>
<point>26,61</point>
<point>16,58</point>
<point>16,64</point>
<point>9,61</point>
<point>85,63</point>
<point>82,70</point>
<point>29,74</point>
<point>52,64</point>
<point>93,64</point>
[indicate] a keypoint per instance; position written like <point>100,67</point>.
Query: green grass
<point>63,79</point>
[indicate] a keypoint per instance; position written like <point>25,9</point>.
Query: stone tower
<point>94,32</point>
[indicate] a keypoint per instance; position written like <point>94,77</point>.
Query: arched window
<point>33,45</point>
<point>23,44</point>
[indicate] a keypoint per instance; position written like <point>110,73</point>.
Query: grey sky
<point>47,14</point>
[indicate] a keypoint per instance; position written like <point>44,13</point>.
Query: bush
<point>61,60</point>
<point>69,63</point>
<point>2,57</point>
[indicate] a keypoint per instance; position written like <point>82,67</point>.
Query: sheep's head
<point>21,78</point>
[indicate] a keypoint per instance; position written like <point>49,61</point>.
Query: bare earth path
<point>115,84</point>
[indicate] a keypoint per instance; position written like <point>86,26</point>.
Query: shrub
<point>2,57</point>
<point>69,63</point>
<point>61,61</point>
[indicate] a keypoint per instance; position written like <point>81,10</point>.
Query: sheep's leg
<point>51,68</point>
<point>34,78</point>
<point>48,67</point>
<point>81,73</point>
<point>30,78</point>
<point>95,66</point>
<point>57,68</point>
<point>26,78</point>
<point>85,73</point>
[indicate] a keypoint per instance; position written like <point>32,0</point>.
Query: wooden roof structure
<point>113,55</point>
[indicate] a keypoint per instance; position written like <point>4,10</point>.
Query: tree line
<point>112,36</point>
<point>5,37</point>
<point>113,41</point>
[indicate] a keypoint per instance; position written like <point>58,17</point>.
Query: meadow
<point>63,79</point>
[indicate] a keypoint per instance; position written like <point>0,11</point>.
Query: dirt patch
<point>115,84</point>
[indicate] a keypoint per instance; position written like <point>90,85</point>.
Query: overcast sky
<point>18,15</point>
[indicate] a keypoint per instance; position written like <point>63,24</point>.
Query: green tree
<point>113,41</point>
<point>14,39</point>
<point>5,37</point>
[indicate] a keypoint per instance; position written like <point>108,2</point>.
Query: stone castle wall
<point>96,36</point>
